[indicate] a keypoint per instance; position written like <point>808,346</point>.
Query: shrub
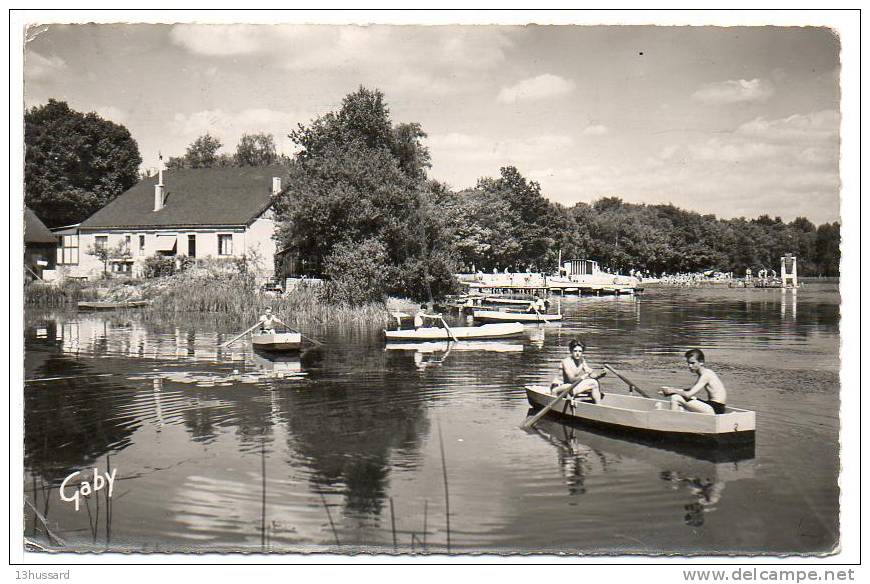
<point>157,266</point>
<point>357,273</point>
<point>410,278</point>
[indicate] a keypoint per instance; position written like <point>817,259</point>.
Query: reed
<point>237,296</point>
<point>66,294</point>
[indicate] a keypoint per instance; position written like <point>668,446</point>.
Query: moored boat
<point>487,331</point>
<point>650,417</point>
<point>506,316</point>
<point>87,305</point>
<point>277,341</point>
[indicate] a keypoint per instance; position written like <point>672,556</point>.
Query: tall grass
<point>237,296</point>
<point>67,294</point>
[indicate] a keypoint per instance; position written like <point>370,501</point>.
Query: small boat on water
<point>651,417</point>
<point>442,346</point>
<point>505,316</point>
<point>510,301</point>
<point>86,305</point>
<point>487,331</point>
<point>277,341</point>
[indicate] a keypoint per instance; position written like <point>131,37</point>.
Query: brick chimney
<point>276,185</point>
<point>159,190</point>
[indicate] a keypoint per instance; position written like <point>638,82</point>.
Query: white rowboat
<point>487,331</point>
<point>505,316</point>
<point>642,415</point>
<point>277,341</point>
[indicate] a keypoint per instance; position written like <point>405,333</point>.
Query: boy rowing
<point>574,368</point>
<point>267,322</point>
<point>686,399</point>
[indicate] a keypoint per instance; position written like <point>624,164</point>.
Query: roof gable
<point>194,197</point>
<point>35,230</point>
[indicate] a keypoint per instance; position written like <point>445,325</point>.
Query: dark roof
<point>35,230</point>
<point>194,197</point>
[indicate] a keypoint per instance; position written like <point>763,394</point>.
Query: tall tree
<point>350,184</point>
<point>828,249</point>
<point>256,150</point>
<point>202,152</point>
<point>74,163</point>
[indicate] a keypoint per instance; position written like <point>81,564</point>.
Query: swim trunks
<point>718,408</point>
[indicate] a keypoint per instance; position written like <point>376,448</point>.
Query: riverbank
<point>229,294</point>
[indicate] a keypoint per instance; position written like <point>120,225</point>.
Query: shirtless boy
<point>708,380</point>
<point>573,369</point>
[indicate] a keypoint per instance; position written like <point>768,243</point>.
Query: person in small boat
<point>687,399</point>
<point>419,316</point>
<point>537,306</point>
<point>575,367</point>
<point>268,321</point>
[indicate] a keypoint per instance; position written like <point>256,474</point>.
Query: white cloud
<point>813,127</point>
<point>37,66</point>
<point>373,47</point>
<point>540,87</point>
<point>229,126</point>
<point>750,171</point>
<point>595,130</point>
<point>734,91</point>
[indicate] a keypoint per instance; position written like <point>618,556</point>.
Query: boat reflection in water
<point>435,352</point>
<point>702,471</point>
<point>277,365</point>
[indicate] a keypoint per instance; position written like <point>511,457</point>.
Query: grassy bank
<point>236,296</point>
<point>225,294</point>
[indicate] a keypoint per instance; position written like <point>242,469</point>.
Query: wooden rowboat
<point>85,305</point>
<point>277,341</point>
<point>487,331</point>
<point>640,415</point>
<point>505,316</point>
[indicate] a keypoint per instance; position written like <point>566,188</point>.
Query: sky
<point>733,121</point>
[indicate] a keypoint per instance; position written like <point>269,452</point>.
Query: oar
<point>630,383</point>
<point>449,332</point>
<point>541,317</point>
<point>529,423</point>
<point>315,341</point>
<point>228,343</point>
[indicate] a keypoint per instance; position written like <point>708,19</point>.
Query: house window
<point>101,241</point>
<point>141,245</point>
<point>225,244</point>
<point>68,254</point>
<point>127,243</point>
<point>191,246</point>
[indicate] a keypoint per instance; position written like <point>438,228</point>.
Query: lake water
<point>345,448</point>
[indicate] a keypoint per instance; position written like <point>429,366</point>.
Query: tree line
<point>359,208</point>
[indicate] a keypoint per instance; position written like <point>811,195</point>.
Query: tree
<point>74,163</point>
<point>202,152</point>
<point>828,249</point>
<point>350,183</point>
<point>256,150</point>
<point>535,221</point>
<point>106,254</point>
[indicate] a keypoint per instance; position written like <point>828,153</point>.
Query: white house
<point>194,212</point>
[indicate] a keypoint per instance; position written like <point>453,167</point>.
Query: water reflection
<point>702,471</point>
<point>222,449</point>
